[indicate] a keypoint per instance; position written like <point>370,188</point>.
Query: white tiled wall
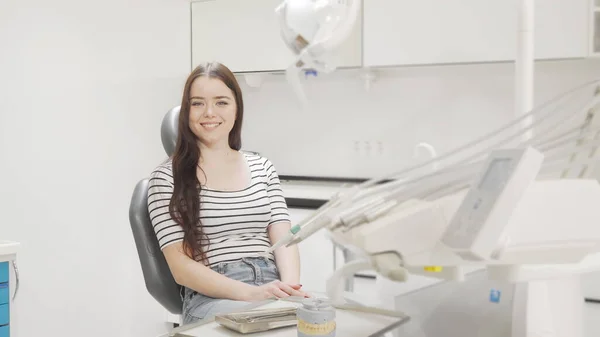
<point>445,106</point>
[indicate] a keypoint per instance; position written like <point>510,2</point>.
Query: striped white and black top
<point>235,222</point>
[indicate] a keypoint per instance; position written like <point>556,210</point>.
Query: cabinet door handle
<point>14,264</point>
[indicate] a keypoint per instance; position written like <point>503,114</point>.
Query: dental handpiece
<point>301,231</point>
<point>320,219</point>
<point>286,239</point>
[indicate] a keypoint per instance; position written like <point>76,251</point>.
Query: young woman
<point>215,208</point>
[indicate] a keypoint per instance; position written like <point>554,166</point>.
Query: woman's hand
<point>275,289</point>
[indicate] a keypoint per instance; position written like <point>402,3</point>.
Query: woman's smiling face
<point>212,111</point>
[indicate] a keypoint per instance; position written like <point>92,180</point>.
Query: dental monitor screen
<point>497,175</point>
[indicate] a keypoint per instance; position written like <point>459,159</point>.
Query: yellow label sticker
<point>433,269</point>
<point>315,329</point>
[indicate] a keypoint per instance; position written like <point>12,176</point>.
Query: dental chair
<point>157,275</point>
<point>158,278</point>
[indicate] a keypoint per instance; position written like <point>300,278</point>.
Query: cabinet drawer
<point>3,272</point>
<point>4,314</point>
<point>4,331</point>
<point>4,293</point>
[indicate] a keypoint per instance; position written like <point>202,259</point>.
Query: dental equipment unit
<point>524,194</point>
<point>500,201</point>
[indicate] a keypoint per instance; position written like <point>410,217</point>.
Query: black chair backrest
<point>157,275</point>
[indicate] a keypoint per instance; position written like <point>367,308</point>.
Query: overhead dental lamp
<point>313,30</point>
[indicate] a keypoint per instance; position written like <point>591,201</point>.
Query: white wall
<point>83,88</point>
<point>446,106</point>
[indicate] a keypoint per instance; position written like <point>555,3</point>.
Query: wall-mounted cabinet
<point>407,32</point>
<point>245,36</point>
<point>561,29</point>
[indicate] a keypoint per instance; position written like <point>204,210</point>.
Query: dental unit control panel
<point>486,209</point>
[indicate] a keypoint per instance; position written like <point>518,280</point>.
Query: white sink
<point>8,248</point>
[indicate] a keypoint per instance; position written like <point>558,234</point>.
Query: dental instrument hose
<point>286,239</point>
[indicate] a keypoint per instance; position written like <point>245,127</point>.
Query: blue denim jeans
<point>254,271</point>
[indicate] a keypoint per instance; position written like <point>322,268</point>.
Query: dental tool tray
<point>258,320</point>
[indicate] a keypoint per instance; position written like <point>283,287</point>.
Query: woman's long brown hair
<point>185,202</point>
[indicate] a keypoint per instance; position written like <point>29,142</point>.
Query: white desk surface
<point>8,250</point>
<point>348,324</point>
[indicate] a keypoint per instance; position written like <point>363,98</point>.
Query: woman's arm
<point>204,280</point>
<point>287,258</point>
<point>197,276</point>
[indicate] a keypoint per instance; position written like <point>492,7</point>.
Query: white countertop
<point>349,324</point>
<point>8,250</point>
